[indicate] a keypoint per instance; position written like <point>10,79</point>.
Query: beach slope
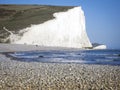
<point>18,75</point>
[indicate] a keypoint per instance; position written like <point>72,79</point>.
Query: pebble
<point>16,75</point>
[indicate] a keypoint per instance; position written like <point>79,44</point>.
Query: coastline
<point>24,47</point>
<point>17,75</point>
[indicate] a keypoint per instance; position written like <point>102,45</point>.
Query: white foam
<point>67,29</point>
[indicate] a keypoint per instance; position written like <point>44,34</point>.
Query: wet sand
<point>17,75</point>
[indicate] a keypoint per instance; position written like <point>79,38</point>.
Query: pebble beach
<point>17,75</point>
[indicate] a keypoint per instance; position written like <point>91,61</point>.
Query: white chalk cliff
<point>67,29</point>
<point>100,47</point>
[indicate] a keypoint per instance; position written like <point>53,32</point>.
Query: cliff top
<point>16,17</point>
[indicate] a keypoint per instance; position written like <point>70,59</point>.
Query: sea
<point>100,57</point>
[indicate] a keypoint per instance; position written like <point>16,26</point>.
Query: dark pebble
<point>41,56</point>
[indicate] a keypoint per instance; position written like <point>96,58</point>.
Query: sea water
<point>103,57</point>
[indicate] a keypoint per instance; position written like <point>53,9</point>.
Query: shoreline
<point>17,75</point>
<point>54,76</point>
<point>24,47</point>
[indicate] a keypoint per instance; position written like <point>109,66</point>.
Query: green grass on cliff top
<point>15,17</point>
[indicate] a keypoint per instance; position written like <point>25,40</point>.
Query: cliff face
<point>17,17</point>
<point>67,29</point>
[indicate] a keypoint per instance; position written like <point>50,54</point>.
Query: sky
<point>102,18</point>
